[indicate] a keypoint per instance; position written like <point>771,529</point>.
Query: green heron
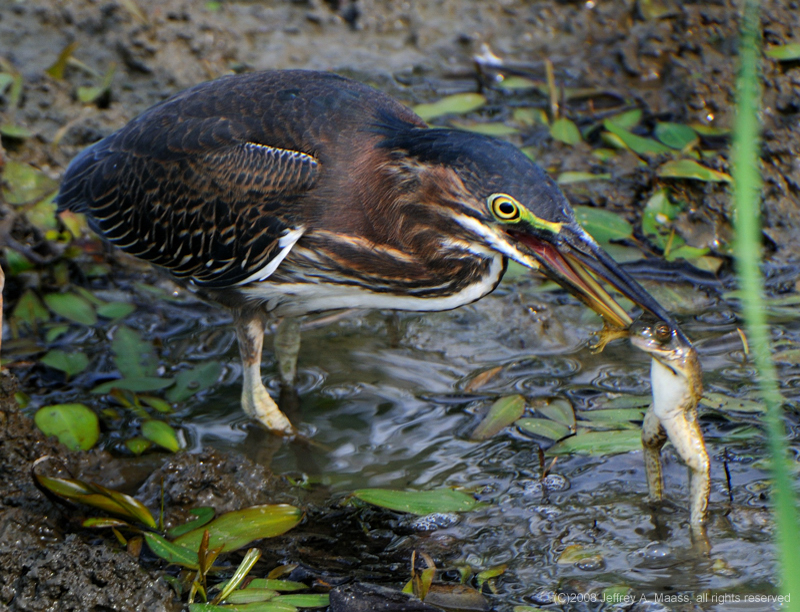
<point>284,193</point>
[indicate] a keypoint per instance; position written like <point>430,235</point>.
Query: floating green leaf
<point>69,363</point>
<point>265,606</point>
<point>676,135</point>
<point>43,214</point>
<point>75,425</point>
<point>157,403</point>
<point>687,252</point>
<point>565,131</point>
<point>171,552</point>
<point>565,178</point>
<point>236,529</point>
<point>457,104</point>
<point>723,403</point>
<point>615,418</point>
<point>690,169</point>
<point>104,523</point>
<point>134,357</point>
<point>189,382</point>
<point>558,410</point>
<point>658,212</point>
<point>638,144</point>
<point>418,502</point>
<point>276,585</point>
<point>249,595</point>
<point>24,183</point>
<point>784,53</point>
<point>544,428</point>
<point>310,600</point>
<point>159,432</point>
<point>502,413</point>
<point>599,443</point>
<point>137,385</point>
<point>72,307</point>
<point>203,516</point>
<point>603,225</point>
<point>17,262</point>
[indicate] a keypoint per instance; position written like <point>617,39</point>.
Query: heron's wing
<point>197,197</point>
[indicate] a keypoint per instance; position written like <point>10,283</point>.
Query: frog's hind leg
<point>653,439</point>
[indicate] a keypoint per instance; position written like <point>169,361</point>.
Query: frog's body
<point>677,387</point>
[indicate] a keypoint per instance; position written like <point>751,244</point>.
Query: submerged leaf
<point>72,307</point>
<point>69,363</point>
<point>723,403</point>
<point>234,530</point>
<point>558,410</point>
<point>503,412</point>
<point>136,385</point>
<point>134,357</point>
<point>418,502</point>
<point>627,119</point>
<point>190,382</point>
<point>30,310</point>
<point>75,425</point>
<point>310,600</point>
<point>457,104</point>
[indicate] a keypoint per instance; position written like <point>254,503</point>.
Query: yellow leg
<point>287,347</point>
<point>256,401</point>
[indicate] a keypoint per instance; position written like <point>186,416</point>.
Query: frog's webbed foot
<point>653,438</point>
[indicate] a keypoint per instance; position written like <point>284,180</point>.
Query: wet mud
<point>678,66</point>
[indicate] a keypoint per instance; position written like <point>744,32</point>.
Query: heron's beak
<point>577,263</point>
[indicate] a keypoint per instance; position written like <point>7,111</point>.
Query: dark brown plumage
<point>290,192</point>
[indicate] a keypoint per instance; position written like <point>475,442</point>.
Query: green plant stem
<point>747,190</point>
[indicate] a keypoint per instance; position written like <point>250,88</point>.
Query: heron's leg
<point>287,347</point>
<point>684,433</point>
<point>653,439</point>
<point>256,401</point>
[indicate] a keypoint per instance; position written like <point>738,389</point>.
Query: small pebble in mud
<point>434,522</point>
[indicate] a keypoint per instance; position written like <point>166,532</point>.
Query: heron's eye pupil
<point>504,207</point>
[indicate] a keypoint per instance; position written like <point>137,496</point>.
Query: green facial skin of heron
<point>284,193</point>
<point>676,380</point>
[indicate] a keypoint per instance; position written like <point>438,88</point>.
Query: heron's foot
<point>287,346</point>
<point>259,405</point>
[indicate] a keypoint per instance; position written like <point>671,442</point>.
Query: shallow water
<point>383,400</point>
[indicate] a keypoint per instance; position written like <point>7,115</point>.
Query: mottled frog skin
<point>676,380</point>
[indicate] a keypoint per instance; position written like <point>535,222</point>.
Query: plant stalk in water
<point>747,190</point>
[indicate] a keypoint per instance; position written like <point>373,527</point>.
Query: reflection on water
<point>383,401</point>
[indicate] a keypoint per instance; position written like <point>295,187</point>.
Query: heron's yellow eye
<point>504,207</point>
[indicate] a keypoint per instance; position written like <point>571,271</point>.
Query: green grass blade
<point>747,189</point>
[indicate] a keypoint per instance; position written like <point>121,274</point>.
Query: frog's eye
<point>504,208</point>
<point>663,332</point>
